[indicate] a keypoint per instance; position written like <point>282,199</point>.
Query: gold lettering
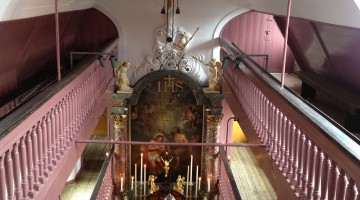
<point>178,84</point>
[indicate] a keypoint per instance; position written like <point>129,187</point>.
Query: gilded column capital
<point>214,120</point>
<point>119,120</point>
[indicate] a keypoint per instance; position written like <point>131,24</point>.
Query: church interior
<point>179,99</point>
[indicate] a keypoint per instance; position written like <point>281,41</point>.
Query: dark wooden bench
<point>340,96</point>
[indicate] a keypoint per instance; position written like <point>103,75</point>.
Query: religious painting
<point>166,111</point>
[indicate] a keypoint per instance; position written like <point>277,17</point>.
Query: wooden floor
<point>251,181</point>
<point>93,159</point>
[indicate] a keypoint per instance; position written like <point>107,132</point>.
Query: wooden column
<point>211,152</point>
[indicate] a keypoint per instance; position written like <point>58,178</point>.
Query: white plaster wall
<point>339,12</point>
<point>139,18</point>
<point>18,9</point>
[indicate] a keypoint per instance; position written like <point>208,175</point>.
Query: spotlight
<point>101,61</point>
<point>113,61</point>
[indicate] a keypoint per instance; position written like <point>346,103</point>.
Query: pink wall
<point>258,33</point>
<point>27,46</point>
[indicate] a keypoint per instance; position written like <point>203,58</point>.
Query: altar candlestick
<point>199,183</point>
<point>196,180</point>
<point>208,184</point>
<point>141,168</point>
<point>135,179</point>
<point>187,182</point>
<point>191,168</point>
<point>132,183</point>
<point>144,180</point>
<point>121,184</point>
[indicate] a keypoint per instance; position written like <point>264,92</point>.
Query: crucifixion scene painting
<point>166,112</point>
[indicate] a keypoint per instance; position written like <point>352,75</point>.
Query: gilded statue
<point>166,166</point>
<point>122,80</point>
<point>151,182</point>
<point>215,68</point>
<point>180,182</point>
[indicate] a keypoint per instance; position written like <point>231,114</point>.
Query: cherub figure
<point>122,80</point>
<point>215,74</point>
<point>151,182</point>
<point>166,166</point>
<point>180,182</point>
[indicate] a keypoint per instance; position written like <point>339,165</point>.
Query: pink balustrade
<point>33,149</point>
<point>106,184</point>
<point>318,161</point>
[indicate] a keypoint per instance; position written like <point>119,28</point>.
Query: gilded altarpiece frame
<point>167,106</point>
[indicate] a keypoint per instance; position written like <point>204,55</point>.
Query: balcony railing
<point>36,137</point>
<point>319,159</point>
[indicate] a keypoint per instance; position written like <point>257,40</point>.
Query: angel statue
<point>151,182</point>
<point>122,80</point>
<point>215,74</point>
<point>180,182</point>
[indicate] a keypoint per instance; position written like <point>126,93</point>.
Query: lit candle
<point>121,184</point>
<point>208,189</point>
<point>144,180</point>
<point>132,183</point>
<point>199,183</point>
<point>196,180</point>
<point>187,182</point>
<point>191,167</point>
<point>135,180</point>
<point>141,168</point>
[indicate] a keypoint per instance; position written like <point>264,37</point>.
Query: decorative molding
<point>120,121</point>
<point>214,120</point>
<point>196,89</point>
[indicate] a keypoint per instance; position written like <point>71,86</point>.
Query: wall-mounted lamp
<point>227,130</point>
<point>100,57</point>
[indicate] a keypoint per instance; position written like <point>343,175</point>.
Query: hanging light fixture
<point>163,9</point>
<point>177,8</point>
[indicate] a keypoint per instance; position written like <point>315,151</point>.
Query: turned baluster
<point>287,142</point>
<point>278,137</point>
<point>283,143</point>
<point>301,146</point>
<point>317,181</point>
<point>341,186</point>
<point>40,151</point>
<point>2,179</point>
<point>44,147</point>
<point>289,173</point>
<point>266,121</point>
<point>17,176</point>
<point>50,124</point>
<point>333,179</point>
<point>29,160</point>
<point>62,127</point>
<point>57,133</point>
<point>351,190</point>
<point>275,135</point>
<point>271,132</point>
<point>305,160</point>
<point>325,177</point>
<point>312,168</point>
<point>53,136</point>
<point>67,121</point>
<point>295,143</point>
<point>9,175</point>
<point>35,161</point>
<point>23,167</point>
